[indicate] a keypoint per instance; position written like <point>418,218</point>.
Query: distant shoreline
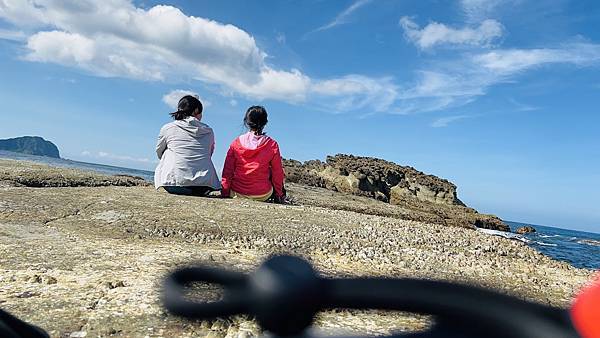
<point>88,166</point>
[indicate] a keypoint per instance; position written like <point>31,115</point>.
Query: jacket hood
<point>250,144</point>
<point>193,126</point>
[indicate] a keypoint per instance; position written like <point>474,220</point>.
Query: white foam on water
<point>508,235</point>
<point>548,236</point>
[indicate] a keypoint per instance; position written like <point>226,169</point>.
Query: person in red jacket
<point>253,167</point>
<point>585,311</point>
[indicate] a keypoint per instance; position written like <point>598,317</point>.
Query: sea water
<point>580,249</point>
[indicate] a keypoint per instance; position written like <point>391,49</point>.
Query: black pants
<point>189,191</point>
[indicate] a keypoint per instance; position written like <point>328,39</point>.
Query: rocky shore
<point>83,254</point>
<point>423,197</point>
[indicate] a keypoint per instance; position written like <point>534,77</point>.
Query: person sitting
<point>253,167</point>
<point>185,147</point>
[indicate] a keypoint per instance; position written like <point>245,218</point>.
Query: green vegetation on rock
<point>31,145</point>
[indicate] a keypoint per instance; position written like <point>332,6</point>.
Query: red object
<point>585,312</point>
<point>253,171</point>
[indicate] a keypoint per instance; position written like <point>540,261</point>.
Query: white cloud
<point>445,121</point>
<point>344,16</point>
<point>114,38</point>
<point>172,98</point>
<point>439,34</point>
<point>233,103</point>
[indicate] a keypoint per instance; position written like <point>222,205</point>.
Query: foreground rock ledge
<point>89,260</point>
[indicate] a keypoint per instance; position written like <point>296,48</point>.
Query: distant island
<point>31,145</point>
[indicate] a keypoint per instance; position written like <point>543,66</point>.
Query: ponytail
<point>187,107</point>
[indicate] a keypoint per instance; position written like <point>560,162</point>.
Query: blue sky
<point>500,96</point>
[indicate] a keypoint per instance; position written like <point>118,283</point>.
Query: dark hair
<point>187,107</point>
<point>256,119</point>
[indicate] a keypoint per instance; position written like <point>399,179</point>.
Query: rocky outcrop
<point>31,145</point>
<point>380,179</point>
<point>525,230</point>
<point>389,182</point>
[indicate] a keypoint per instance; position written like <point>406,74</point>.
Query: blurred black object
<point>12,327</point>
<point>285,293</point>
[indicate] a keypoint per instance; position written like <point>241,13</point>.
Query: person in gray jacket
<point>185,147</point>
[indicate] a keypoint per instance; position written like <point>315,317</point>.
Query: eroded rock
<point>525,230</point>
<point>392,183</point>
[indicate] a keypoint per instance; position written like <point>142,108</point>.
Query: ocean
<point>65,163</point>
<point>578,248</point>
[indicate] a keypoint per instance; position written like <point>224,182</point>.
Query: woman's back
<point>185,147</point>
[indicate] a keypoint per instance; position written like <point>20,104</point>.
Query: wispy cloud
<point>522,106</point>
<point>452,83</point>
<point>357,93</point>
<point>12,35</point>
<point>445,121</point>
<point>435,34</point>
<point>280,38</point>
<point>477,10</point>
<point>344,16</point>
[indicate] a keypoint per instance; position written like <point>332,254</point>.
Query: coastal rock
<point>28,174</point>
<point>394,184</point>
<point>31,145</point>
<point>371,177</point>
<point>106,276</point>
<point>525,230</point>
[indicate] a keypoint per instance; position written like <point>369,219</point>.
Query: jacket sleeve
<point>212,143</point>
<point>161,144</point>
<point>277,174</point>
<point>228,169</point>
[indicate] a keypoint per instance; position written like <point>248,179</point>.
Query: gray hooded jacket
<point>185,148</point>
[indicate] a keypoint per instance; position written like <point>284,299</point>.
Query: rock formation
<point>525,230</point>
<point>391,183</point>
<point>31,145</point>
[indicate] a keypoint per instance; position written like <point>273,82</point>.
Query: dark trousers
<point>189,191</point>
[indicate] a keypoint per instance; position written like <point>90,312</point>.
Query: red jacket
<point>253,171</point>
<point>585,312</point>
